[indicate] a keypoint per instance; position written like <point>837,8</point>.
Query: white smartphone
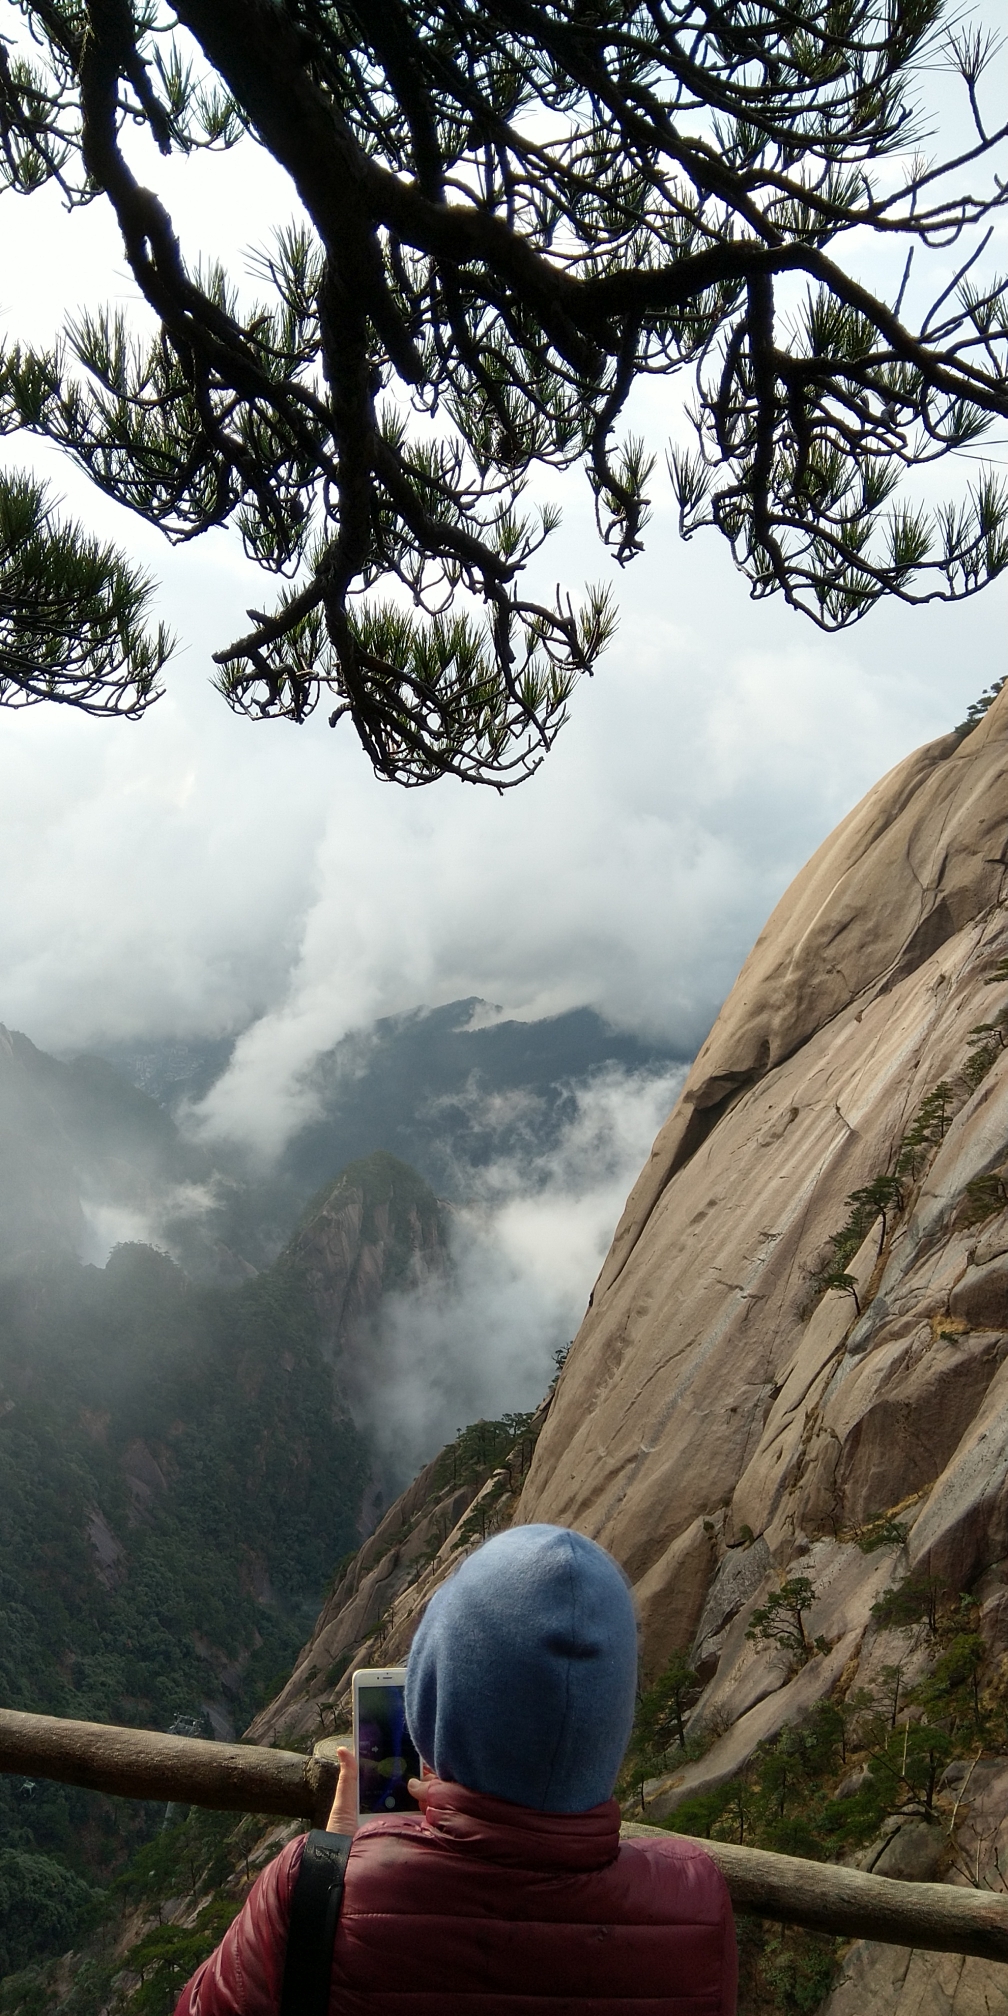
<point>386,1755</point>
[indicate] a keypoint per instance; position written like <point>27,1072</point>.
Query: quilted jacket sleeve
<point>244,1976</point>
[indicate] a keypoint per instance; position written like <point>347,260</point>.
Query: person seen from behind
<point>510,1891</point>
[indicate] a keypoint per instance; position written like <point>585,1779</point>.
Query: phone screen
<point>386,1756</point>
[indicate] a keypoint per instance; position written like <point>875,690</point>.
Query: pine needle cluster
<point>513,216</point>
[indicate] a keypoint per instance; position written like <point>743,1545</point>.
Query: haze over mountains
<point>531,1132</point>
<point>446,1089</point>
<point>449,1092</point>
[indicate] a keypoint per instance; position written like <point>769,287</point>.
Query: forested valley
<point>177,1479</point>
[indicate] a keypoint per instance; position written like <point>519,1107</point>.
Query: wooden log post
<point>141,1764</point>
<point>243,1778</point>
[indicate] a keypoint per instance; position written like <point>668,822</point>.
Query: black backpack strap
<point>314,1915</point>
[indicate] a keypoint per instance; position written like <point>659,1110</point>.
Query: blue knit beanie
<point>522,1677</point>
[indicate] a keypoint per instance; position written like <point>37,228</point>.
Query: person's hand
<point>419,1788</point>
<point>343,1817</point>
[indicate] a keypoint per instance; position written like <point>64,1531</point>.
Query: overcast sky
<point>194,873</point>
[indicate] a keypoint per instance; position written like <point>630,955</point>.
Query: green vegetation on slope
<point>892,1193</point>
<point>43,1908</point>
<point>176,1479</point>
<point>834,1785</point>
<point>138,1942</point>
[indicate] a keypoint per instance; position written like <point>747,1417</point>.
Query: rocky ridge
<point>376,1230</point>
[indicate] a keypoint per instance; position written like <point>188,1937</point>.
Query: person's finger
<point>420,1790</point>
<point>343,1818</point>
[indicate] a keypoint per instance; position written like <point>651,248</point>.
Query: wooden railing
<point>140,1764</point>
<point>240,1778</point>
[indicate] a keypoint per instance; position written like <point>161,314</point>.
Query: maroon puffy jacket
<point>483,1909</point>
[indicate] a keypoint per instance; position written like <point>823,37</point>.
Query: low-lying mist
<point>526,1249</point>
<point>529,1134</point>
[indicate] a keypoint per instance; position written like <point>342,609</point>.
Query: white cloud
<point>195,873</point>
<point>527,1251</point>
<point>714,750</point>
<point>155,1212</point>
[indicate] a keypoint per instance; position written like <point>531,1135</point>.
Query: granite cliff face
<point>721,1423</point>
<point>701,1404</point>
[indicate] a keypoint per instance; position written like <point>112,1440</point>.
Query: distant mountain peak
<point>376,1229</point>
